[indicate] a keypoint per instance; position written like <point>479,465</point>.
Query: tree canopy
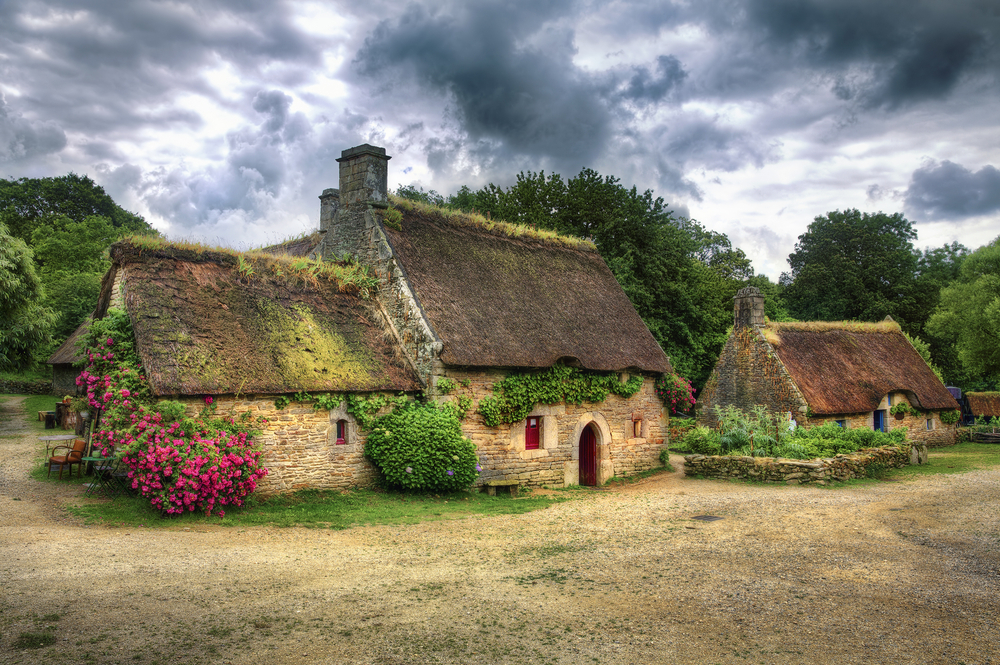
<point>67,223</point>
<point>24,322</point>
<point>969,314</point>
<point>853,265</point>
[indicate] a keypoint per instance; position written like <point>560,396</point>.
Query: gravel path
<point>903,572</point>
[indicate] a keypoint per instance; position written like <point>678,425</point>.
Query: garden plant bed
<point>867,572</point>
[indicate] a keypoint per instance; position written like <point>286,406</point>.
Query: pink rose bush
<point>179,463</point>
<point>676,392</point>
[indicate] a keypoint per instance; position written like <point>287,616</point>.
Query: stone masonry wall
<point>795,472</point>
<point>938,435</point>
<point>749,373</point>
<point>26,387</point>
<point>300,449</point>
<point>556,463</point>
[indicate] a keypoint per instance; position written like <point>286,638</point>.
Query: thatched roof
<point>68,353</point>
<point>203,328</point>
<point>500,300</point>
<point>984,404</point>
<point>850,367</point>
<point>295,247</point>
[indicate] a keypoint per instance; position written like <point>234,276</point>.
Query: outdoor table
<point>56,437</point>
<point>103,482</point>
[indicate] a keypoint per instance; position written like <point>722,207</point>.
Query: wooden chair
<point>74,455</point>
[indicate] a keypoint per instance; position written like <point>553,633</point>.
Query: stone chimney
<point>749,308</point>
<point>343,213</point>
<point>363,176</point>
<point>329,202</point>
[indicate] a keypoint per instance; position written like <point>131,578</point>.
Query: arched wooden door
<point>588,456</point>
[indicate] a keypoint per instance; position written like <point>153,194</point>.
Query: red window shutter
<point>531,433</point>
<point>341,432</point>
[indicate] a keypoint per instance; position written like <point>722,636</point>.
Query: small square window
<point>341,432</point>
<point>888,399</point>
<point>842,424</point>
<point>531,432</point>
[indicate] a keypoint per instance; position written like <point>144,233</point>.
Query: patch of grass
<point>30,640</point>
<point>953,459</point>
<point>320,509</point>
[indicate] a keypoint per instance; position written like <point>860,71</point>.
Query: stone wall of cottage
<point>748,374</point>
<point>502,453</point>
<point>300,448</point>
<point>925,428</point>
<point>300,444</point>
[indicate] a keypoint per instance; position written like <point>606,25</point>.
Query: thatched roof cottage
<point>846,372</point>
<point>444,299</point>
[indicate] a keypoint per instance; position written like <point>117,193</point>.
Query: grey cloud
<point>508,70</point>
<point>698,140</point>
<point>21,139</point>
<point>102,66</point>
<point>644,87</point>
<point>951,191</point>
<point>912,50</point>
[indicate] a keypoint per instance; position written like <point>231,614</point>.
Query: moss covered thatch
<point>496,298</point>
<point>211,321</point>
<point>849,367</point>
<point>984,404</point>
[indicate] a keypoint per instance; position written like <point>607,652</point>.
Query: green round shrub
<point>421,447</point>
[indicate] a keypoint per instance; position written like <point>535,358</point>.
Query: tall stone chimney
<point>363,176</point>
<point>749,308</point>
<point>342,213</point>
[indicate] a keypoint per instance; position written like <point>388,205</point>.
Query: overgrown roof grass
<point>348,277</point>
<point>772,331</point>
<point>495,226</point>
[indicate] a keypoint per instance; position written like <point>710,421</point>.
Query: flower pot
<point>899,416</point>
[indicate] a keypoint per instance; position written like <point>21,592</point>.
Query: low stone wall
<point>795,472</point>
<point>26,387</point>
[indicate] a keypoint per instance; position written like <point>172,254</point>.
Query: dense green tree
<point>853,265</point>
<point>680,277</point>
<point>969,315</point>
<point>28,202</point>
<point>24,322</point>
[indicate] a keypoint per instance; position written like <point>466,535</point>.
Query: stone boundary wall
<point>796,472</point>
<point>26,387</point>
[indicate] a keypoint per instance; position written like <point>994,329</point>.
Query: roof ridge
<point>495,227</point>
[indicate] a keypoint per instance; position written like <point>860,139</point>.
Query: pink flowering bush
<point>178,462</point>
<point>676,392</point>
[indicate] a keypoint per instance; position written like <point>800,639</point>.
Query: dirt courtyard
<point>894,572</point>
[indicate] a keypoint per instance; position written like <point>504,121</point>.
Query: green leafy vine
<point>515,396</point>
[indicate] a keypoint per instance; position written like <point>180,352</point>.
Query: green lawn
<point>320,509</point>
<point>954,459</point>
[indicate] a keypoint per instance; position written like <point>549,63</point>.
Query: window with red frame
<point>341,432</point>
<point>531,430</point>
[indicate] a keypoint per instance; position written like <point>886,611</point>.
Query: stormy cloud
<point>951,191</point>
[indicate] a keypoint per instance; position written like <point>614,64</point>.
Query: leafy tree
<point>24,322</point>
<point>969,314</point>
<point>853,265</point>
<point>27,202</point>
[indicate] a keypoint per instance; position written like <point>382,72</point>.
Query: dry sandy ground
<point>904,572</point>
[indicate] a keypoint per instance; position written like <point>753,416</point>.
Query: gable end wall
<point>748,374</point>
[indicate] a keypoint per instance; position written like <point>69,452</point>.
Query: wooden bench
<point>510,485</point>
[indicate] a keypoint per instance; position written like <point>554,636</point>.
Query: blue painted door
<point>878,422</point>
